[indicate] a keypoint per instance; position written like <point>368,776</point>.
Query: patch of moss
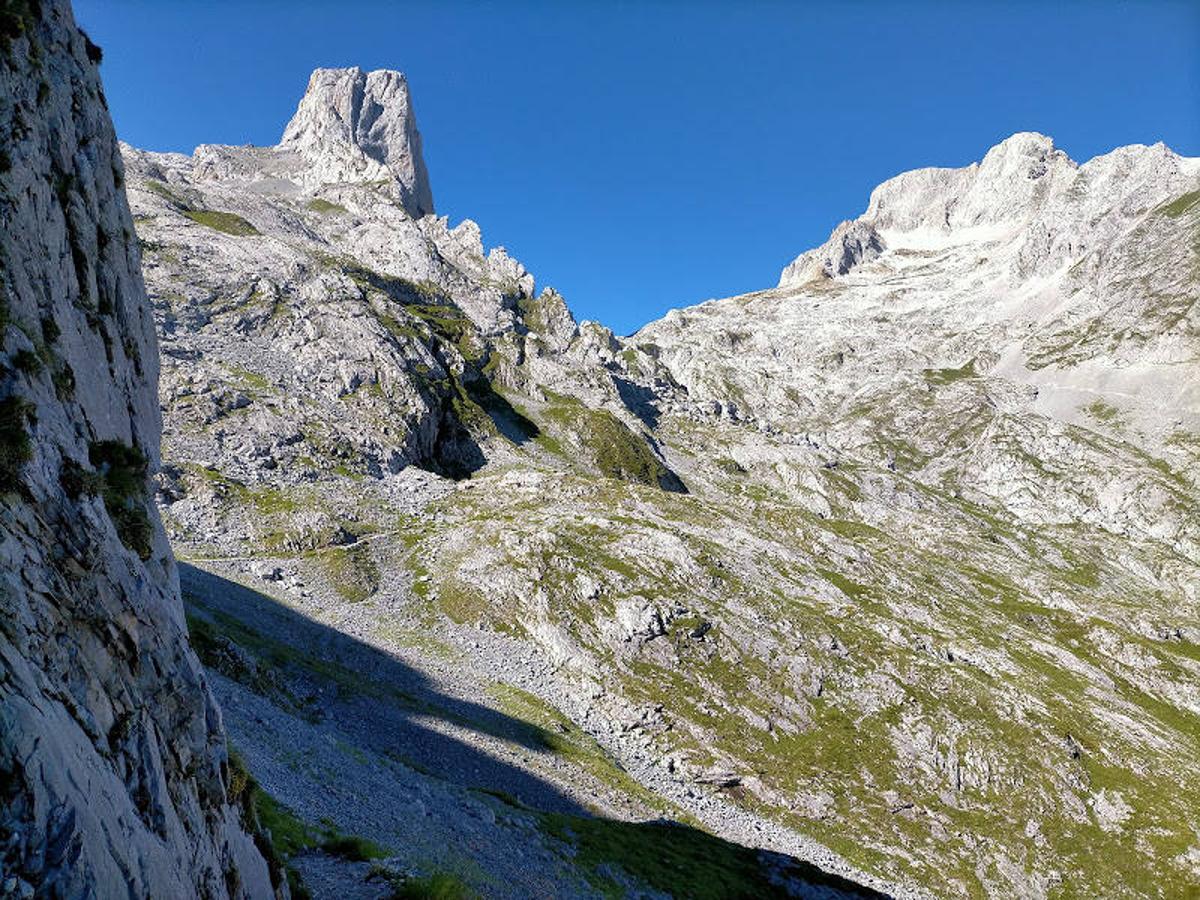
<point>225,222</point>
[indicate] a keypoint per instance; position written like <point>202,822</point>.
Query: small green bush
<point>50,330</point>
<point>27,361</point>
<point>15,446</point>
<point>353,847</point>
<point>78,481</point>
<point>124,469</point>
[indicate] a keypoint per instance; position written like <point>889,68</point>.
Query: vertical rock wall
<point>113,769</point>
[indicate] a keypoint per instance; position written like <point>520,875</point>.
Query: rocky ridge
<point>114,778</point>
<point>895,560</point>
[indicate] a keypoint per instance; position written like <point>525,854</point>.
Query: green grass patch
<point>325,207</point>
<point>352,571</point>
<point>676,859</point>
<point>939,377</point>
<point>1102,411</point>
<point>614,449</point>
<point>224,222</point>
<point>1181,205</point>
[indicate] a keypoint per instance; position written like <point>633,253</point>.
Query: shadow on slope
<point>323,676</point>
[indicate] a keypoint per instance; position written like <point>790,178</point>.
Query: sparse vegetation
<point>438,886</point>
<point>678,860</point>
<point>614,449</point>
<point>1181,205</point>
<point>280,834</point>
<point>225,222</point>
<point>940,377</point>
<point>352,571</point>
<point>123,487</point>
<point>15,447</point>
<point>325,207</point>
<point>1102,411</point>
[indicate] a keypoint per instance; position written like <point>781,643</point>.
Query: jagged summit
<point>1024,191</point>
<point>353,125</point>
<point>351,129</point>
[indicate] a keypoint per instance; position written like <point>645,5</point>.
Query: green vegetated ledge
<point>218,220</point>
<point>1181,205</point>
<point>325,207</point>
<point>615,450</point>
<point>120,478</point>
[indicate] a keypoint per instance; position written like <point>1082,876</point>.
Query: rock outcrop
<point>359,126</point>
<point>113,770</point>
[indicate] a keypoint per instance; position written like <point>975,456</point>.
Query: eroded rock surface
<point>113,775</point>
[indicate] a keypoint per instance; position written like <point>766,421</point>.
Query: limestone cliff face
<point>113,770</point>
<point>353,125</point>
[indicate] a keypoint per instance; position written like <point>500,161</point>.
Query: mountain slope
<point>114,779</point>
<point>892,567</point>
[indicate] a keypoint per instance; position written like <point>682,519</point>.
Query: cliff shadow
<point>351,693</point>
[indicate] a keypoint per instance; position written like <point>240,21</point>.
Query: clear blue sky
<point>640,156</point>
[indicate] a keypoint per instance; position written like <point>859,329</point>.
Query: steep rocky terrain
<point>893,567</point>
<point>114,779</point>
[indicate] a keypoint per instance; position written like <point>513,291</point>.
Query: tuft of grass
<point>225,222</point>
<point>123,486</point>
<point>15,447</point>
<point>325,207</point>
<point>353,848</point>
<point>27,361</point>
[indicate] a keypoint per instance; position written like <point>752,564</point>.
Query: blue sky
<point>641,156</point>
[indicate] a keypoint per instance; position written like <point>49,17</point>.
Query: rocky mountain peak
<point>1025,194</point>
<point>353,125</point>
